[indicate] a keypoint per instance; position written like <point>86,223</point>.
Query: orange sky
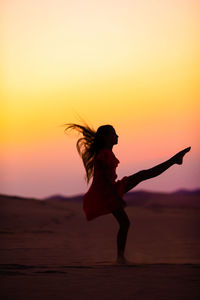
<point>133,64</point>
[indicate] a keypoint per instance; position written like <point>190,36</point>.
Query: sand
<point>49,251</point>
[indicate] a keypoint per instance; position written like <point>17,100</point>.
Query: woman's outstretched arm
<point>157,170</point>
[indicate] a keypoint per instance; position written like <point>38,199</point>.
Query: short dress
<point>99,200</point>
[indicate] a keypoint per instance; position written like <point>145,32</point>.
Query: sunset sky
<point>132,64</point>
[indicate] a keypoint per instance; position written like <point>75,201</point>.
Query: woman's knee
<point>122,219</point>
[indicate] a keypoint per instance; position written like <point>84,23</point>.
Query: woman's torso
<point>105,162</point>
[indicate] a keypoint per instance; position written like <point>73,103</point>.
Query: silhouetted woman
<point>105,193</point>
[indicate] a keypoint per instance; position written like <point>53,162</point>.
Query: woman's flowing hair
<point>89,145</point>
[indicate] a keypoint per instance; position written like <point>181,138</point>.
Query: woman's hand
<point>178,158</point>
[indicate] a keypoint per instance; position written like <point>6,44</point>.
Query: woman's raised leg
<point>136,178</point>
<point>124,225</point>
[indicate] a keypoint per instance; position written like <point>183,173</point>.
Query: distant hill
<point>63,198</point>
<point>178,199</point>
<point>188,192</point>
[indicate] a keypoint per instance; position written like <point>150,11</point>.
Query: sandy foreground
<point>49,251</point>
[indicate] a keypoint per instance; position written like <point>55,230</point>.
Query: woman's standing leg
<point>124,225</point>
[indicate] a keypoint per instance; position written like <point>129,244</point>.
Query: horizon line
<point>78,195</point>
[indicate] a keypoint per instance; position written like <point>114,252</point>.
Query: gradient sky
<point>132,64</point>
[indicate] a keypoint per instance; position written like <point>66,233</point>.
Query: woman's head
<point>92,142</point>
<point>105,136</point>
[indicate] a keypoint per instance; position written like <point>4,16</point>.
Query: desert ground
<point>49,251</point>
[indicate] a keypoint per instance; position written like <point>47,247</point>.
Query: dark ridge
<point>17,197</point>
<point>77,198</point>
<point>187,192</point>
<point>139,196</point>
<point>179,199</point>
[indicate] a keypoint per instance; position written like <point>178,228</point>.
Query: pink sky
<point>132,64</point>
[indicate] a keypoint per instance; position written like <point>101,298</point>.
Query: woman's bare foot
<point>178,158</point>
<point>122,261</point>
